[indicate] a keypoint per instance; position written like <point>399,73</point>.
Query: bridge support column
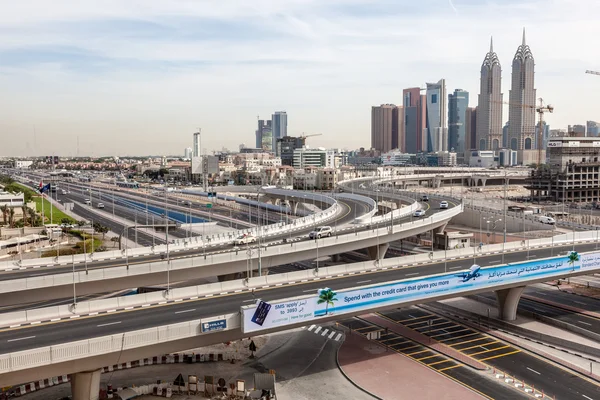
<point>335,257</point>
<point>373,251</point>
<point>86,385</point>
<point>293,206</point>
<point>508,300</point>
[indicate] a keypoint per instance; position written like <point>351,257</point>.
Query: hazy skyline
<point>139,77</point>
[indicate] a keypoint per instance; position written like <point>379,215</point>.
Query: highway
<point>560,314</point>
<point>553,380</point>
<point>568,299</point>
<point>347,215</point>
<point>46,334</point>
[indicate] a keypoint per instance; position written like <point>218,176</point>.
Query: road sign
<point>209,205</point>
<point>212,326</point>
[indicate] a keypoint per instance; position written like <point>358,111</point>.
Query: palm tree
<point>327,296</point>
<point>11,217</point>
<point>4,209</point>
<point>573,257</point>
<point>24,210</point>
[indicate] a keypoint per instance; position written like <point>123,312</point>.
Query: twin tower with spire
<point>521,114</point>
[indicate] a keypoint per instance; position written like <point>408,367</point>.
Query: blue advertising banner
<point>327,301</point>
<point>213,326</point>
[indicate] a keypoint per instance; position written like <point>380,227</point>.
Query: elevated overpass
<point>375,238</point>
<point>148,326</point>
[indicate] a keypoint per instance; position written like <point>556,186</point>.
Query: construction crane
<point>592,72</point>
<point>303,136</point>
<point>540,109</point>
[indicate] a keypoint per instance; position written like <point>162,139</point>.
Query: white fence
<point>383,233</point>
<point>106,344</point>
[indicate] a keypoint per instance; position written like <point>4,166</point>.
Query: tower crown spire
<point>523,36</point>
<point>491,44</point>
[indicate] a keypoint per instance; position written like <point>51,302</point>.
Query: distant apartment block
<point>415,108</point>
<point>387,127</point>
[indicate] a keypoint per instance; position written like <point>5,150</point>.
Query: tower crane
<point>541,109</point>
<point>592,72</point>
<point>303,136</point>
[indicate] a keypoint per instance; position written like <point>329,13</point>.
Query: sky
<point>138,77</point>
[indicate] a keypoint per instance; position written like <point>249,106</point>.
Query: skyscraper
<point>521,111</point>
<point>593,128</point>
<point>264,135</point>
<point>279,125</point>
<point>471,129</point>
<point>387,127</point>
<point>415,106</point>
<point>437,117</point>
<point>458,103</point>
<point>489,104</point>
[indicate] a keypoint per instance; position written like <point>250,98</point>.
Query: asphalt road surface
<point>45,334</point>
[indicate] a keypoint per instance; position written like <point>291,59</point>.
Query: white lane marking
<point>318,329</point>
<point>184,311</point>
<point>310,328</point>
<point>589,398</point>
<point>494,261</point>
<point>23,338</point>
<point>337,338</point>
<point>110,323</point>
<point>308,291</point>
<point>585,323</point>
<point>459,267</point>
<point>533,370</point>
<point>412,274</point>
<point>324,332</point>
<point>248,301</point>
<point>580,302</point>
<point>364,281</point>
<point>332,334</point>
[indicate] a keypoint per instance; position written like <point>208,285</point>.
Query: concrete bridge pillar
<point>86,385</point>
<point>373,253</point>
<point>508,300</point>
<point>335,257</point>
<point>293,206</point>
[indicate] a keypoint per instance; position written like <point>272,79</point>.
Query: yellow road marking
<point>487,351</point>
<point>417,352</point>
<point>468,341</point>
<point>396,338</point>
<point>450,333</point>
<point>500,355</point>
<point>408,348</point>
<point>459,337</point>
<point>440,362</point>
<point>406,320</point>
<point>453,366</point>
<point>425,358</point>
<point>475,346</point>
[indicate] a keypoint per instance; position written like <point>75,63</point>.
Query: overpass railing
<point>381,233</point>
<point>183,244</point>
<point>147,337</point>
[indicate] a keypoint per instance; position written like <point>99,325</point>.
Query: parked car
<point>443,204</point>
<point>320,231</point>
<point>246,238</point>
<point>424,198</point>
<point>419,213</point>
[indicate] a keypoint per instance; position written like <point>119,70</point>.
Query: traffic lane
<point>219,248</point>
<point>489,350</point>
<point>87,327</point>
<point>566,298</point>
<point>580,320</point>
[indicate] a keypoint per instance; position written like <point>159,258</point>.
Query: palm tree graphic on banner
<point>327,296</point>
<point>573,257</point>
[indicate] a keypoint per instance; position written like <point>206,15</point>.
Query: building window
<point>433,98</point>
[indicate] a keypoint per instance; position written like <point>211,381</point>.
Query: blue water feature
<point>159,211</point>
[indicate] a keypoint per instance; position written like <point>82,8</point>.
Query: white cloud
<point>170,66</point>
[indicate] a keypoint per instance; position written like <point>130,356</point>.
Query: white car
<point>244,239</point>
<point>443,205</point>
<point>419,213</point>
<point>320,231</point>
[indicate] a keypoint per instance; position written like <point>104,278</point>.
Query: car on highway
<point>320,231</point>
<point>187,203</point>
<point>443,205</point>
<point>246,238</point>
<point>88,202</point>
<point>100,205</point>
<point>419,213</point>
<point>424,198</point>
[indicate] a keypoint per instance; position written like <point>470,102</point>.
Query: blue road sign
<point>213,326</point>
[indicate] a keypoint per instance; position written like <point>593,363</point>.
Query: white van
<point>546,220</point>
